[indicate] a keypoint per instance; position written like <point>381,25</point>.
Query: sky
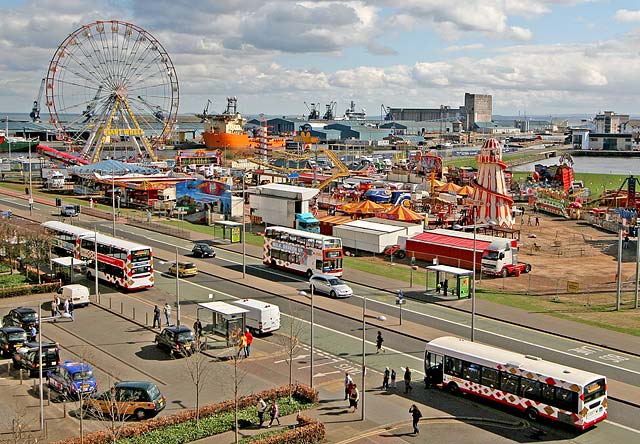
<point>536,57</point>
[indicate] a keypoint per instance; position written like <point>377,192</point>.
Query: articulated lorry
<point>493,255</point>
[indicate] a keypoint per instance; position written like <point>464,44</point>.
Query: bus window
<point>309,243</point>
<point>490,377</point>
<point>471,372</point>
<point>594,390</point>
<point>548,394</point>
<point>318,264</point>
<point>453,366</point>
<point>531,389</point>
<point>566,400</point>
<point>509,383</point>
<point>318,244</point>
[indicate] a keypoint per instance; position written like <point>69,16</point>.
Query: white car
<point>331,285</point>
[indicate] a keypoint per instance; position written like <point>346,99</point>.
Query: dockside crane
<point>155,110</point>
<point>35,110</point>
<point>385,112</point>
<point>330,112</point>
<point>314,114</point>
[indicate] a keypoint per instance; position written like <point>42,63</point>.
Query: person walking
<point>156,317</point>
<point>54,307</point>
<point>407,380</point>
<point>354,397</point>
<point>71,308</point>
<point>65,306</point>
<point>385,379</point>
<point>348,382</point>
<point>416,414</point>
<point>197,328</point>
<point>167,313</point>
<point>393,378</point>
<point>529,221</point>
<point>33,333</point>
<point>249,339</point>
<point>445,286</point>
<point>242,345</point>
<point>261,406</point>
<point>274,412</point>
<point>626,240</point>
<point>537,221</point>
<point>379,342</point>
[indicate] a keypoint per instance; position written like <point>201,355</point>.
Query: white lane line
<point>358,339</point>
<point>622,426</point>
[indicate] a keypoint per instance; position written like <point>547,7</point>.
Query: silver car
<point>331,285</point>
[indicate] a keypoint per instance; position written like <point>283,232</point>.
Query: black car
<point>22,317</point>
<point>176,340</point>
<point>203,250</point>
<point>27,357</point>
<point>11,339</point>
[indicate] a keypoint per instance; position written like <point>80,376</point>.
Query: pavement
<point>387,411</point>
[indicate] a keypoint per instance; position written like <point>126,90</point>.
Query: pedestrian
<point>58,303</point>
<point>385,379</point>
<point>529,221</point>
<point>167,313</point>
<point>65,306</point>
<point>274,412</point>
<point>261,406</point>
<point>445,287</point>
<point>197,328</point>
<point>71,308</point>
<point>33,333</point>
<point>54,307</point>
<point>416,414</point>
<point>407,380</point>
<point>379,342</point>
<point>626,240</point>
<point>156,317</point>
<point>90,202</point>
<point>242,345</point>
<point>354,397</point>
<point>537,221</point>
<point>249,339</point>
<point>393,378</point>
<point>522,219</point>
<point>348,382</point>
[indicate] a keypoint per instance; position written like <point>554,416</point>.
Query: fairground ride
<point>111,83</point>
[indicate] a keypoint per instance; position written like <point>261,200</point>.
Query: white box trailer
<point>361,235</point>
<point>261,316</point>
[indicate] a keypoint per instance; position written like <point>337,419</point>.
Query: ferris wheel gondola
<point>111,83</point>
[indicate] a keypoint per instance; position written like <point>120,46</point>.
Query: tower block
<point>490,191</point>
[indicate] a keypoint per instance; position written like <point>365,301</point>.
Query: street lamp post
<point>40,392</point>
<point>473,281</point>
<point>95,260</point>
<point>113,200</point>
<point>304,293</point>
<point>244,241</point>
<point>364,364</point>
<point>30,183</point>
<point>177,290</point>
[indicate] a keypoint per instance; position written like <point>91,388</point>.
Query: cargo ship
<point>226,131</point>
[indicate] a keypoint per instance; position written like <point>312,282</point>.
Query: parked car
<point>22,317</point>
<point>185,269</point>
<point>203,250</point>
<point>26,357</point>
<point>69,210</point>
<point>128,399</point>
<point>79,294</point>
<point>176,340</point>
<point>72,379</point>
<point>331,285</point>
<point>11,339</point>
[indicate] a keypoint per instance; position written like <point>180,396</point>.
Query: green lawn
<point>12,280</point>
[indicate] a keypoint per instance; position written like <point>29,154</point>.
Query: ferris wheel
<point>112,85</point>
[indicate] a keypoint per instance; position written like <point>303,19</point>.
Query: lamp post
<point>304,293</point>
<point>113,200</point>
<point>244,242</point>
<point>95,260</point>
<point>364,363</point>
<point>40,393</point>
<point>177,290</point>
<point>30,184</point>
<point>473,281</point>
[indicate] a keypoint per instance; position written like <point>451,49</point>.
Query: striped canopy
<point>402,213</point>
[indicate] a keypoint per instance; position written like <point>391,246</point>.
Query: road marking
<point>622,426</point>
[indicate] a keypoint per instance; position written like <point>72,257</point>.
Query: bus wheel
<point>453,388</point>
<point>532,414</point>
<point>309,273</point>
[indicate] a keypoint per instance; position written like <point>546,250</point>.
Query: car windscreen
<point>154,392</point>
<point>83,376</point>
<point>18,336</point>
<point>185,336</point>
<point>335,281</point>
<point>188,266</point>
<point>30,317</point>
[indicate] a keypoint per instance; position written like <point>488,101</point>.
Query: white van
<point>262,317</point>
<point>79,294</point>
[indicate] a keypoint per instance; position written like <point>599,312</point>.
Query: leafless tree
<point>9,243</point>
<point>198,368</point>
<point>36,250</point>
<point>20,427</point>
<point>238,376</point>
<point>107,408</point>
<point>290,343</point>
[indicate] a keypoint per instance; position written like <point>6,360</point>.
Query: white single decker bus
<point>536,387</point>
<point>302,252</point>
<point>125,264</point>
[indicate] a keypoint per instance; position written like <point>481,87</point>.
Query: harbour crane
<point>330,112</point>
<point>35,110</point>
<point>155,110</point>
<point>314,114</point>
<point>385,112</point>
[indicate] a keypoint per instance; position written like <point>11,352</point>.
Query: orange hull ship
<point>226,131</point>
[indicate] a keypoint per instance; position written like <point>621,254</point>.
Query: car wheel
<point>88,275</point>
<point>140,414</point>
<point>333,294</point>
<point>309,274</point>
<point>527,268</point>
<point>505,273</point>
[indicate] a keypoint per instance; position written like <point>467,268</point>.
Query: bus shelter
<point>222,319</point>
<point>451,281</point>
<point>68,269</point>
<point>231,231</point>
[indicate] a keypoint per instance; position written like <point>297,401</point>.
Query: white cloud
<point>469,47</point>
<point>627,16</point>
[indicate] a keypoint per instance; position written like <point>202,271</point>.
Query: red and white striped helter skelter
<point>490,196</point>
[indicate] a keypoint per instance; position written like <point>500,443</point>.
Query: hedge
<point>9,292</point>
<point>214,419</point>
<point>309,431</point>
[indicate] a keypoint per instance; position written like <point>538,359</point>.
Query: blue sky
<point>547,57</point>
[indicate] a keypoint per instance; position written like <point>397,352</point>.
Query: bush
<point>215,418</point>
<point>309,431</point>
<point>9,292</point>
